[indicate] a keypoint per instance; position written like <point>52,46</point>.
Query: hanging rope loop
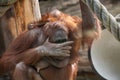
<point>105,17</point>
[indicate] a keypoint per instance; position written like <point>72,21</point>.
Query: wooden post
<point>26,11</point>
<point>15,20</point>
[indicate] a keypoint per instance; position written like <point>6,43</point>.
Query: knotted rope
<point>105,17</point>
<point>5,5</point>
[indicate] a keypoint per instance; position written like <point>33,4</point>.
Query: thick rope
<point>5,5</point>
<point>105,17</point>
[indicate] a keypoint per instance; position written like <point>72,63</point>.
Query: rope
<point>5,5</point>
<point>105,17</point>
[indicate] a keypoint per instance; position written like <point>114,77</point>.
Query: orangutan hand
<point>53,49</point>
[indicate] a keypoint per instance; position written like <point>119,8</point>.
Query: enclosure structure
<point>16,19</point>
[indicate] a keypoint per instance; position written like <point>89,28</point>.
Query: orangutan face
<point>56,32</point>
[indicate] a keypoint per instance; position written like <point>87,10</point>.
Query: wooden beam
<point>16,19</point>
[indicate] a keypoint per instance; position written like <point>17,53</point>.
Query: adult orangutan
<point>44,47</point>
<point>48,50</point>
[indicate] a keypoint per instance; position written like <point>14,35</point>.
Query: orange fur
<point>22,49</point>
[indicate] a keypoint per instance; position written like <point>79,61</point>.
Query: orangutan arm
<point>22,50</point>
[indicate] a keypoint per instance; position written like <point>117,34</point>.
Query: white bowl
<point>105,56</point>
